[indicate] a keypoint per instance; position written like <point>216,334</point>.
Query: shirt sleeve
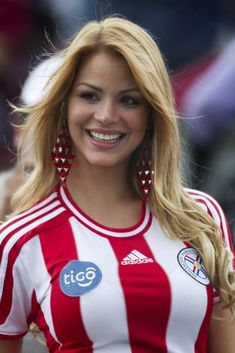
<point>15,291</point>
<point>212,207</point>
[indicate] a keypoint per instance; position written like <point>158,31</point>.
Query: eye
<point>129,100</point>
<point>89,96</point>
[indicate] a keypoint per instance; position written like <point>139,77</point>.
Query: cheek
<point>141,124</point>
<point>76,115</point>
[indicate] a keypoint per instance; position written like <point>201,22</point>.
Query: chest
<point>147,290</point>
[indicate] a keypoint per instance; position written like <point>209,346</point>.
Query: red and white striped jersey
<point>92,288</point>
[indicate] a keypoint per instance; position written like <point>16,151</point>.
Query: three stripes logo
<point>136,258</point>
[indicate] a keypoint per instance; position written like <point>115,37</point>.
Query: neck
<point>98,184</point>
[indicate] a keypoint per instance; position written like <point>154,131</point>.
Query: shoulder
<point>43,215</point>
<point>208,204</point>
<point>213,208</point>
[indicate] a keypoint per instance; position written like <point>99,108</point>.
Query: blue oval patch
<point>79,277</point>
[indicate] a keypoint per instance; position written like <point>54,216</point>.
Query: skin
<point>97,105</point>
<point>105,100</point>
<point>221,337</point>
<point>11,346</point>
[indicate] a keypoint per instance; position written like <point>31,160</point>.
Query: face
<point>107,114</point>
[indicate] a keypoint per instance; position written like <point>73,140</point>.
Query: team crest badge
<point>79,277</point>
<point>191,262</point>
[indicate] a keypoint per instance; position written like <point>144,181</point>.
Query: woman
<point>119,257</point>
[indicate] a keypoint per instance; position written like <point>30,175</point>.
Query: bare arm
<point>13,346</point>
<point>222,332</point>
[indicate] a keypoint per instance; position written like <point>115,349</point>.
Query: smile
<point>106,138</point>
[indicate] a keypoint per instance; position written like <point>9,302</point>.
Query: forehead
<point>103,66</point>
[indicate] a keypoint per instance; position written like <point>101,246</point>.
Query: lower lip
<point>104,145</point>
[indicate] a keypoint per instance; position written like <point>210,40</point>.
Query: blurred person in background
<point>15,31</point>
<point>14,177</point>
<point>35,86</point>
<point>23,24</point>
<point>105,219</point>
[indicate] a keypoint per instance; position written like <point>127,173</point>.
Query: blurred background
<point>197,38</point>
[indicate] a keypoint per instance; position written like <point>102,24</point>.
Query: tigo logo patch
<point>192,263</point>
<point>79,277</point>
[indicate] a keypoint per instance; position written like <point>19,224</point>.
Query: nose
<point>107,112</point>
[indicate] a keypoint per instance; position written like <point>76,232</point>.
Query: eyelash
<point>89,96</point>
<point>124,100</point>
<point>128,100</point>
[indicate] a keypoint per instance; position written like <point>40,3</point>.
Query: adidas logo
<point>136,258</point>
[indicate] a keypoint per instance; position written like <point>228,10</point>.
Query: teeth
<point>105,137</point>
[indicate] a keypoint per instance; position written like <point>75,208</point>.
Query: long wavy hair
<point>178,214</point>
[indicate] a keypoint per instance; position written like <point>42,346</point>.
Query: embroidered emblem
<point>79,277</point>
<point>191,262</point>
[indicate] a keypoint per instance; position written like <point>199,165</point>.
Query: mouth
<point>103,137</point>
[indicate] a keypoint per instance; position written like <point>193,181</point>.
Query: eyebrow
<point>96,88</point>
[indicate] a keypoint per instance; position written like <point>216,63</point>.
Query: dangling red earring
<point>62,154</point>
<point>144,168</point>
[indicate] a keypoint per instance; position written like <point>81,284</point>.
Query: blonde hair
<point>176,211</point>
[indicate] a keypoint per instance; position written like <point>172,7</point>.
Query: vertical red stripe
<point>52,345</point>
<point>201,343</point>
<point>59,248</point>
<point>147,296</point>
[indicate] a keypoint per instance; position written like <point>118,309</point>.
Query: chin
<point>106,164</point>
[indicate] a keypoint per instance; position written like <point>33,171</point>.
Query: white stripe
<point>188,297</point>
<point>140,256</point>
<point>32,209</point>
<point>16,237</point>
<point>103,309</point>
<point>218,217</point>
<point>40,278</point>
<point>114,347</point>
<point>100,229</point>
<point>133,257</point>
<point>25,220</point>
